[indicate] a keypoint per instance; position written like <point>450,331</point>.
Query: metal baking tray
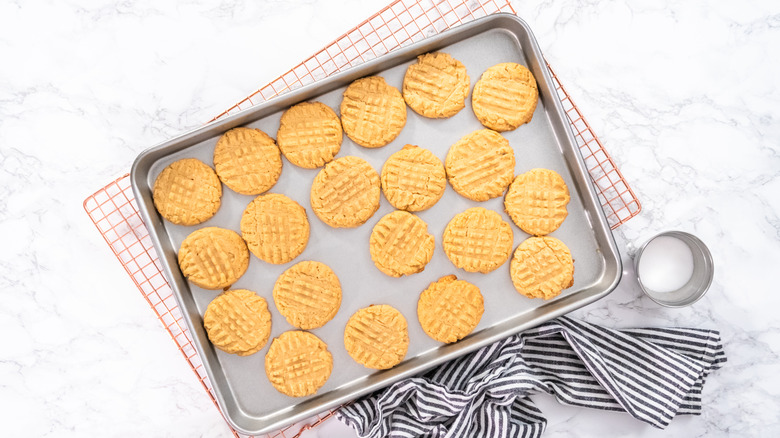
<point>246,397</point>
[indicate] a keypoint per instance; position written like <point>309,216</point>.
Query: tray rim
<point>588,194</point>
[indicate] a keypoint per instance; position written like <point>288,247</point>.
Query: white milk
<point>666,264</point>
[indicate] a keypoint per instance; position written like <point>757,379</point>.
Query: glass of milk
<point>674,268</point>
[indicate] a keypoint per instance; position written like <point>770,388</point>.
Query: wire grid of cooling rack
<point>115,214</point>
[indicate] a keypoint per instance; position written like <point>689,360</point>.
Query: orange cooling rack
<point>114,212</point>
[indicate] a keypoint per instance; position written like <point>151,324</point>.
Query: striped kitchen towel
<point>651,373</point>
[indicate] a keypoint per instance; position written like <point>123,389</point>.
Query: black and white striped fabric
<point>651,373</point>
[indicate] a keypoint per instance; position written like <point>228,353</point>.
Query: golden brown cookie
<point>345,193</point>
<point>377,337</point>
<point>436,86</point>
<point>542,267</point>
<point>413,179</point>
<point>298,363</point>
<point>480,166</point>
<point>477,240</point>
<point>536,201</point>
<point>308,294</point>
<point>247,161</point>
<point>373,113</point>
<point>449,309</point>
<point>309,134</point>
<point>238,322</point>
<point>275,228</point>
<point>187,192</point>
<point>400,244</point>
<point>213,258</point>
<point>505,96</point>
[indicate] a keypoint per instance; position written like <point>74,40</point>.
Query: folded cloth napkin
<point>651,373</point>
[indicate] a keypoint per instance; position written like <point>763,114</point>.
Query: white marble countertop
<point>684,95</point>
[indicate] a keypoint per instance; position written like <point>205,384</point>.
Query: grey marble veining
<point>684,95</point>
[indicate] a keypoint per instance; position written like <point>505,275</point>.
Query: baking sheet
<point>245,395</point>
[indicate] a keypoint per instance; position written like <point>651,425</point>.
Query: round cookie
<point>481,165</point>
<point>247,161</point>
<point>377,337</point>
<point>542,267</point>
<point>505,96</point>
<point>308,294</point>
<point>373,113</point>
<point>449,309</point>
<point>298,363</point>
<point>187,192</point>
<point>413,179</point>
<point>238,322</point>
<point>345,194</point>
<point>213,258</point>
<point>536,201</point>
<point>275,228</point>
<point>437,86</point>
<point>477,240</point>
<point>309,134</point>
<point>400,244</point>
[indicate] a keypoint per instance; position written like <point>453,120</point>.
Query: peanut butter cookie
<point>309,134</point>
<point>308,294</point>
<point>505,96</point>
<point>536,201</point>
<point>373,113</point>
<point>478,240</point>
<point>247,161</point>
<point>413,179</point>
<point>345,194</point>
<point>275,228</point>
<point>377,337</point>
<point>436,86</point>
<point>238,322</point>
<point>480,166</point>
<point>298,363</point>
<point>400,244</point>
<point>213,258</point>
<point>187,192</point>
<point>542,267</point>
<point>449,309</point>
